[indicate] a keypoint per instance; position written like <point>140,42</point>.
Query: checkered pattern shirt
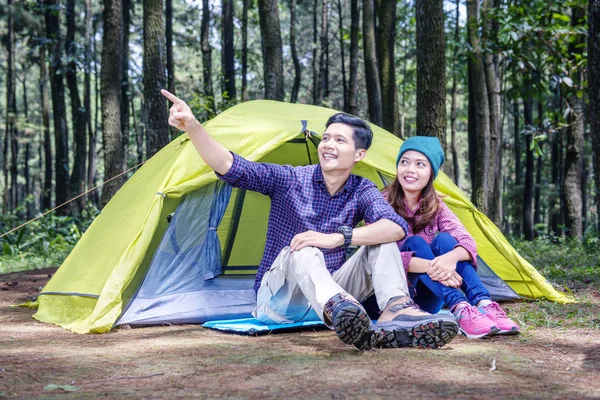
<point>300,202</point>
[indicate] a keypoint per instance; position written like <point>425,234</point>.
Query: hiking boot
<point>474,324</point>
<point>505,325</point>
<point>404,324</point>
<point>351,322</point>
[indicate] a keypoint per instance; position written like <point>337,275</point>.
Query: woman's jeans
<point>431,295</point>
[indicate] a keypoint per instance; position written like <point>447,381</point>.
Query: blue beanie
<point>427,145</point>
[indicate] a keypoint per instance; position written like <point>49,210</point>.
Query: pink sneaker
<point>497,315</point>
<point>474,324</point>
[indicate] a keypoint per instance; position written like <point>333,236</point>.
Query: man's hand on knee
<point>316,239</point>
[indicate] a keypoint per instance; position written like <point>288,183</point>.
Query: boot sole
<point>492,332</point>
<point>431,335</point>
<point>353,326</point>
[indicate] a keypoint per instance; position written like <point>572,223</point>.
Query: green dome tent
<point>133,266</point>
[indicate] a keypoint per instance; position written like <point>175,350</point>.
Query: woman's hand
<point>180,114</point>
<point>442,267</point>
<point>454,281</point>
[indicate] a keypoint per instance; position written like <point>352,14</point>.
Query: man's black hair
<point>363,135</point>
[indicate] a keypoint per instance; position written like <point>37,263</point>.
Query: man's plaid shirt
<point>300,202</point>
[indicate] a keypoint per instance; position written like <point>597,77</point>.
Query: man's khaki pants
<point>298,284</point>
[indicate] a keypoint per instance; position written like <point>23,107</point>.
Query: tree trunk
<point>480,111</point>
<point>316,83</point>
<point>537,192</point>
<point>78,113</point>
<point>453,106</point>
<point>529,166</point>
<point>47,190</point>
<point>209,94</point>
<point>169,45</point>
<point>94,196</point>
<point>228,52</point>
<point>245,50</point>
<point>431,70</point>
<point>594,92</point>
<point>11,115</point>
<point>517,205</point>
<point>110,93</point>
<point>323,70</point>
<point>386,39</point>
<point>352,79</point>
<point>297,68</point>
<point>553,203</point>
<point>271,48</point>
<point>492,78</point>
<point>575,149</point>
<point>125,82</point>
<point>157,128</point>
<point>28,187</point>
<point>61,147</point>
<point>371,69</point>
<point>87,88</point>
<point>342,54</point>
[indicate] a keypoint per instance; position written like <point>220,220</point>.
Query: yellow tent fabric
<point>93,285</point>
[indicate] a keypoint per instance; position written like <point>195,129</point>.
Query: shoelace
<point>494,310</point>
<point>471,312</point>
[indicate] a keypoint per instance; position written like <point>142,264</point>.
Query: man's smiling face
<point>337,150</point>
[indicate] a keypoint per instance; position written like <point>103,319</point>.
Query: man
<point>303,273</point>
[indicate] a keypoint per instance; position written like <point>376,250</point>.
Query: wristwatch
<point>347,232</point>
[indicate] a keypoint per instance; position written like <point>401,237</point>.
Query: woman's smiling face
<point>414,171</point>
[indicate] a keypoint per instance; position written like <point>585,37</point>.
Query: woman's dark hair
<point>363,135</point>
<point>427,210</point>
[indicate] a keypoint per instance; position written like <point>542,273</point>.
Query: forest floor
<point>556,356</point>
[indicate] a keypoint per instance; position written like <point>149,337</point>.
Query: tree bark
<point>575,151</point>
<point>61,155</point>
<point>316,82</point>
<point>340,10</point>
<point>296,60</point>
<point>245,50</point>
<point>169,46</point>
<point>386,40</point>
<point>271,47</point>
<point>323,64</point>
<point>480,112</point>
<point>491,68</point>
<point>157,128</point>
<point>207,57</point>
<point>87,90</point>
<point>529,165</point>
<point>125,82</point>
<point>110,93</point>
<point>517,205</point>
<point>594,92</point>
<point>371,69</point>
<point>11,115</point>
<point>78,113</point>
<point>537,192</point>
<point>228,52</point>
<point>453,106</point>
<point>431,70</point>
<point>352,79</point>
<point>47,189</point>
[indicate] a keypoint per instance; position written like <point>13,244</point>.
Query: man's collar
<point>348,185</point>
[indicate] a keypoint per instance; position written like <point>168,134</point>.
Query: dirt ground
<point>44,361</point>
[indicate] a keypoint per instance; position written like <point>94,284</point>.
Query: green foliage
<point>569,264</point>
<point>42,243</point>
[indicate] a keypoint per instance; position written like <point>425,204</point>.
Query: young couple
<point>304,275</point>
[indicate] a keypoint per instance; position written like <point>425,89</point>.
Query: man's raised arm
<point>212,152</point>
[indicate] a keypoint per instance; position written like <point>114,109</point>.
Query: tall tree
<point>228,52</point>
<point>110,93</point>
<point>340,10</point>
<point>594,92</point>
<point>386,40</point>
<point>352,79</point>
<point>528,189</point>
<point>78,113</point>
<point>209,94</point>
<point>125,81</point>
<point>61,155</point>
<point>316,81</point>
<point>157,128</point>
<point>371,69</point>
<point>296,60</point>
<point>517,207</point>
<point>479,123</point>
<point>323,63</point>
<point>10,138</point>
<point>574,156</point>
<point>47,189</point>
<point>454,106</point>
<point>270,30</point>
<point>169,47</point>
<point>245,50</point>
<point>492,78</point>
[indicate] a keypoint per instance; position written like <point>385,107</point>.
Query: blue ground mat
<point>251,326</point>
